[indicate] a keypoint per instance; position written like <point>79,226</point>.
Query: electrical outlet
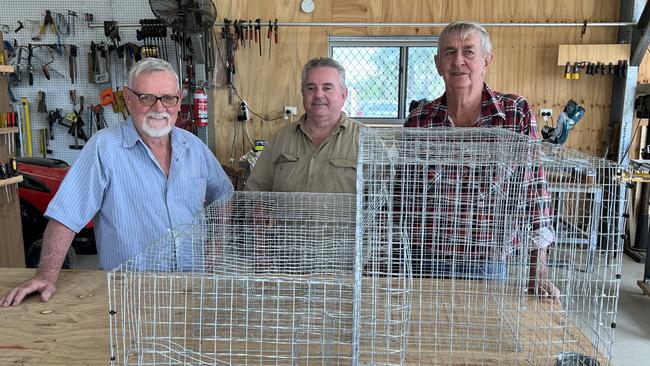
<point>546,112</point>
<point>290,110</point>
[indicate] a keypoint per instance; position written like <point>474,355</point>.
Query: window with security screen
<point>384,74</point>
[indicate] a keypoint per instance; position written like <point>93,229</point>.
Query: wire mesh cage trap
<point>477,207</point>
<point>264,278</point>
<point>584,262</point>
<point>430,263</point>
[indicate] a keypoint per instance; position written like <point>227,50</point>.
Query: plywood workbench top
<point>70,329</point>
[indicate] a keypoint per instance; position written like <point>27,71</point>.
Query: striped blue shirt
<point>117,182</point>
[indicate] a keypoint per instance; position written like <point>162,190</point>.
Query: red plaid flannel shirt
<point>466,216</point>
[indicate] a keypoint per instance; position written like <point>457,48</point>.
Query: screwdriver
<point>275,29</point>
<point>268,35</point>
<point>258,37</point>
<point>249,27</point>
<point>72,60</point>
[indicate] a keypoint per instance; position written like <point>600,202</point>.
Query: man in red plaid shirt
<point>463,58</point>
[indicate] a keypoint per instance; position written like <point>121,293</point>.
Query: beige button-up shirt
<point>291,162</point>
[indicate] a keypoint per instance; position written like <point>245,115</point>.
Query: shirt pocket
<point>285,169</point>
<point>285,158</point>
<point>344,172</point>
<point>344,163</point>
<point>195,192</point>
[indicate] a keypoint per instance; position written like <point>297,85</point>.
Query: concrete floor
<point>632,337</point>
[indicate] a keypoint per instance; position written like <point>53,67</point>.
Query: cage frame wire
<point>390,291</point>
<point>233,243</point>
<point>587,324</point>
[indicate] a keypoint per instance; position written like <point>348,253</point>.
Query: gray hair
<point>465,28</point>
<point>147,65</point>
<point>323,62</point>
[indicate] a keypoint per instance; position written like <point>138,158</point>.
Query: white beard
<point>157,130</point>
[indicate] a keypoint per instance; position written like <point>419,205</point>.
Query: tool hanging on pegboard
<point>42,105</point>
<point>111,31</point>
<point>31,59</point>
<point>27,125</point>
<point>153,34</point>
<point>48,21</point>
<point>62,23</point>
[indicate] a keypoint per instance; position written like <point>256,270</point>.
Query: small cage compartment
<point>476,207</point>
<point>263,278</point>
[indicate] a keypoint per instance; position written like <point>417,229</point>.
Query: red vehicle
<point>41,180</point>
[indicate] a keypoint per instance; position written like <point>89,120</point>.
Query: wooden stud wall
<point>525,60</point>
<point>11,234</point>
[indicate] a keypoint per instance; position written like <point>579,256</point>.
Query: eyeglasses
<point>149,99</point>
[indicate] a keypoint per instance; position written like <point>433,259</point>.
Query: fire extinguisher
<point>200,107</point>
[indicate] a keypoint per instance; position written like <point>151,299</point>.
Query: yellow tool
<point>576,71</point>
<point>27,126</point>
<point>119,105</point>
<point>44,141</point>
<point>48,20</point>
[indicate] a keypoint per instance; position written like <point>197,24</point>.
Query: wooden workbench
<point>70,329</point>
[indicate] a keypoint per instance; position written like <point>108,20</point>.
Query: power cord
<point>638,124</point>
<point>234,88</point>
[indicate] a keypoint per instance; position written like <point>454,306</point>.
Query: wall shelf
<point>604,53</point>
<point>10,181</point>
<point>8,69</point>
<point>8,130</point>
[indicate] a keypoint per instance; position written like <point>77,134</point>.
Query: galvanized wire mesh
<point>430,263</point>
<point>265,278</point>
<point>474,205</point>
<point>461,200</point>
<point>585,262</point>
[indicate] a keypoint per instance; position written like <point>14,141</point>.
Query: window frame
<point>401,42</point>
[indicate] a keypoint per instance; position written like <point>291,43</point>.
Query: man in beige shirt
<point>318,153</point>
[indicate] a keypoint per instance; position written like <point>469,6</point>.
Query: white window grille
<point>384,74</point>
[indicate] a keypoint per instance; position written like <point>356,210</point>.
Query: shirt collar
<point>130,135</point>
<point>343,123</point>
<point>490,106</point>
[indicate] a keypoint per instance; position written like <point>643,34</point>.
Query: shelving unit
<point>11,240</point>
<point>9,181</point>
<point>603,53</point>
<point>8,130</point>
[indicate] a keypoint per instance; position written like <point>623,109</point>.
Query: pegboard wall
<point>57,90</point>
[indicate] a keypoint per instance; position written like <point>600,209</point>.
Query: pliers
<point>48,20</point>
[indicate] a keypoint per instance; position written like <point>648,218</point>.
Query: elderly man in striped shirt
<point>137,181</point>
